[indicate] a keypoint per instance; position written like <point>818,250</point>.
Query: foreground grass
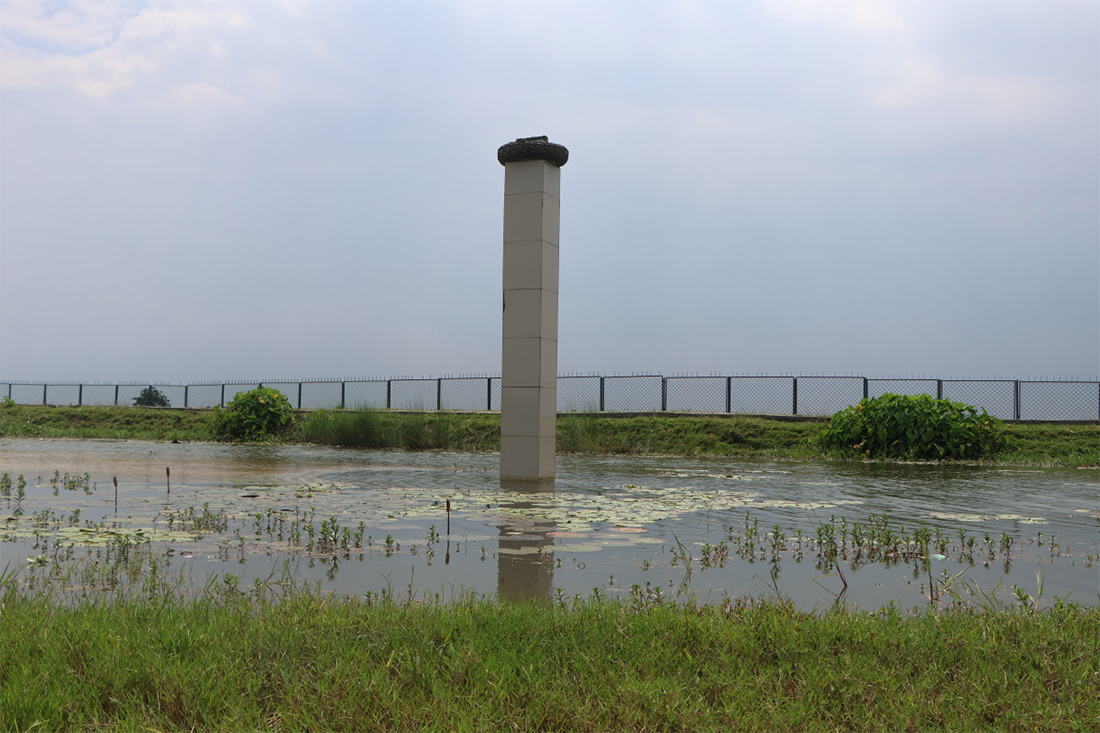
<point>734,436</point>
<point>312,663</point>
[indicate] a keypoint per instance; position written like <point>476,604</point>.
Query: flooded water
<point>365,522</point>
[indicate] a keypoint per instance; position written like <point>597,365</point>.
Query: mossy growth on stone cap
<point>533,148</point>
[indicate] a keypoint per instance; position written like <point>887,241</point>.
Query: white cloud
<point>905,67</point>
<point>202,96</point>
<point>857,16</point>
<point>102,49</point>
<point>929,83</point>
<point>78,27</point>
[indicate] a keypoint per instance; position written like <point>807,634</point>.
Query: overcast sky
<point>203,191</point>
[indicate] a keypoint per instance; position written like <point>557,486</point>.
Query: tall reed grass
<point>367,428</point>
<point>351,428</point>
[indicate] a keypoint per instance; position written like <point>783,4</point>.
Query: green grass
<point>122,423</point>
<point>353,429</point>
<point>228,661</point>
<point>734,436</point>
<point>1050,444</point>
<point>720,436</point>
<point>409,430</point>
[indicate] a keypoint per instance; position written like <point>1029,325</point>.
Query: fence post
<point>343,389</point>
<point>488,394</point>
<point>664,394</point>
<point>865,388</point>
<point>223,397</point>
<point>438,394</point>
<point>601,394</point>
<point>44,387</point>
<point>1016,398</point>
<point>389,393</point>
<point>299,395</point>
<point>186,389</point>
<point>116,395</point>
<point>794,395</point>
<point>939,389</point>
<point>729,394</point>
<point>80,395</point>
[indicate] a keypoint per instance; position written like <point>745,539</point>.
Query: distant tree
<point>151,397</point>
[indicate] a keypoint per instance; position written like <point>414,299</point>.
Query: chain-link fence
<point>1008,399</point>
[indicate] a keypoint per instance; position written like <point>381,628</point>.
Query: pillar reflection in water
<point>525,556</point>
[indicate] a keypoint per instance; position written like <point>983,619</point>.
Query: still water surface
<point>705,529</point>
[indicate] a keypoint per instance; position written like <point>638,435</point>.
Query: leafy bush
<point>151,397</point>
<point>913,428</point>
<point>254,415</point>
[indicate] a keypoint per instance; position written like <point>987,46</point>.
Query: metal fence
<point>1008,399</point>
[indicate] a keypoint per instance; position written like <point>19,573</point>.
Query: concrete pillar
<point>529,363</point>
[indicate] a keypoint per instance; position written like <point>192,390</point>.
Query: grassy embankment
<point>233,662</point>
<point>734,436</point>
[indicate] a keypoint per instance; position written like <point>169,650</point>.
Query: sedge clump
<point>254,415</point>
<point>913,427</point>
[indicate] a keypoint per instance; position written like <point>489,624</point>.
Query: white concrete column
<point>529,363</point>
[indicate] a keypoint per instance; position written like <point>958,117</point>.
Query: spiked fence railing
<point>1008,399</point>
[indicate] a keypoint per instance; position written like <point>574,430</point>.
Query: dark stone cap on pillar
<point>533,148</point>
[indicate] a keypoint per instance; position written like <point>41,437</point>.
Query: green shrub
<point>151,397</point>
<point>254,415</point>
<point>913,428</point>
